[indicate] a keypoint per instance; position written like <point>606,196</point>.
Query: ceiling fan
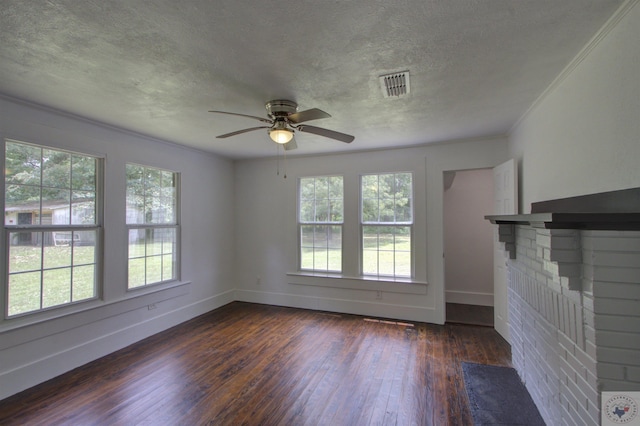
<point>284,119</point>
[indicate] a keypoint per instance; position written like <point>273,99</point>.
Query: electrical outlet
<point>151,306</point>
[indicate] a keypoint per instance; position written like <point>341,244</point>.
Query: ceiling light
<point>281,136</point>
<point>280,133</point>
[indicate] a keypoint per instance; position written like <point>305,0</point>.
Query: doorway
<point>468,247</point>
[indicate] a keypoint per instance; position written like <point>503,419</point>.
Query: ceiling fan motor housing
<point>281,108</point>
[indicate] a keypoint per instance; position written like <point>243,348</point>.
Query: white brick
<point>617,307</point>
<point>614,339</point>
<point>618,356</point>
<point>619,275</point>
<point>611,371</point>
<point>633,374</point>
<point>616,290</point>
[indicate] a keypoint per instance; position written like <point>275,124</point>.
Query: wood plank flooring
<point>248,364</point>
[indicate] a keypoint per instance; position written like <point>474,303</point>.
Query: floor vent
<point>395,85</point>
<point>402,324</point>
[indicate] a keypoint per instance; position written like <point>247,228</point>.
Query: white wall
<point>583,135</point>
<point>468,237</point>
<point>266,230</point>
<point>41,346</point>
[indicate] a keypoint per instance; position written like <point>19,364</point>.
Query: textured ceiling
<point>156,66</point>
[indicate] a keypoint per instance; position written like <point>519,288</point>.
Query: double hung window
<point>52,210</point>
<point>152,221</point>
<point>320,221</point>
<point>386,224</point>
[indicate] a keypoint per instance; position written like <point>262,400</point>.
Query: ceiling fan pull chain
<point>284,155</point>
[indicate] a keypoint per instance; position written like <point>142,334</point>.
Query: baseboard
<point>31,374</point>
<point>469,298</point>
<point>357,307</point>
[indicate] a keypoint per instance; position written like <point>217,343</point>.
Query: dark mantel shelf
<point>586,221</point>
<point>614,210</point>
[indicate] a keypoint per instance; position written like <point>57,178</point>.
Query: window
<point>386,220</point>
<point>152,220</point>
<point>52,223</point>
<point>320,219</point>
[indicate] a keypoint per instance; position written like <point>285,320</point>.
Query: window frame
<point>389,224</point>
<point>97,227</point>
<point>327,223</point>
<point>146,227</point>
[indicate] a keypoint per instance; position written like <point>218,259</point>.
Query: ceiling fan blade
<point>264,120</point>
<point>342,137</point>
<point>239,132</point>
<point>310,114</point>
<point>290,145</point>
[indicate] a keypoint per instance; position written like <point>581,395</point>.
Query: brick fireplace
<point>574,301</point>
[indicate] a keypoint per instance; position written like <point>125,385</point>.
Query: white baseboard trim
<point>469,298</point>
<point>41,370</point>
<point>357,307</point>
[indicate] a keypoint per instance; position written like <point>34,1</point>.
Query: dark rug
<point>498,397</point>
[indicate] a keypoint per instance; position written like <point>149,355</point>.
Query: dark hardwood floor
<point>458,313</point>
<point>265,365</point>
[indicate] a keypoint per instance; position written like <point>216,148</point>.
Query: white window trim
<point>175,225</point>
<point>410,224</point>
<point>72,306</point>
<point>323,223</point>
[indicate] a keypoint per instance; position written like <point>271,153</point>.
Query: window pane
<point>307,188</point>
<point>403,264</point>
<point>386,201</point>
<point>135,194</point>
<point>38,192</point>
<point>56,256</point>
<point>154,269</point>
<point>168,270</point>
<point>83,282</point>
<point>24,292</point>
<point>154,242</point>
<point>58,202</point>
<point>84,247</point>
<point>56,287</point>
<point>321,201</point>
<point>386,262</point>
<point>370,210</point>
<point>136,272</point>
<point>306,213</point>
<point>83,208</point>
<point>137,244</point>
<point>56,169</point>
<point>21,204</point>
<point>335,260</point>
<point>22,163</point>
<point>369,262</point>
<point>336,206</point>
<point>83,173</point>
<point>23,254</point>
<point>152,256</point>
<point>306,258</point>
<point>369,186</point>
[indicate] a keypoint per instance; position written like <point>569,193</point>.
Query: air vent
<point>395,85</point>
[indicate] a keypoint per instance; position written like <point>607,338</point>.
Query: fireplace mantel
<point>605,211</point>
<point>585,221</point>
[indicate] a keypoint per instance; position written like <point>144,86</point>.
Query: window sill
<point>365,283</point>
<point>27,328</point>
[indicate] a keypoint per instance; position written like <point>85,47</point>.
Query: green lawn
<point>380,256</point>
<point>64,278</point>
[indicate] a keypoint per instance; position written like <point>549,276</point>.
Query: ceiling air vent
<point>395,85</point>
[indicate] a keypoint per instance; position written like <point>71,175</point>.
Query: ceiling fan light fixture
<point>281,136</point>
